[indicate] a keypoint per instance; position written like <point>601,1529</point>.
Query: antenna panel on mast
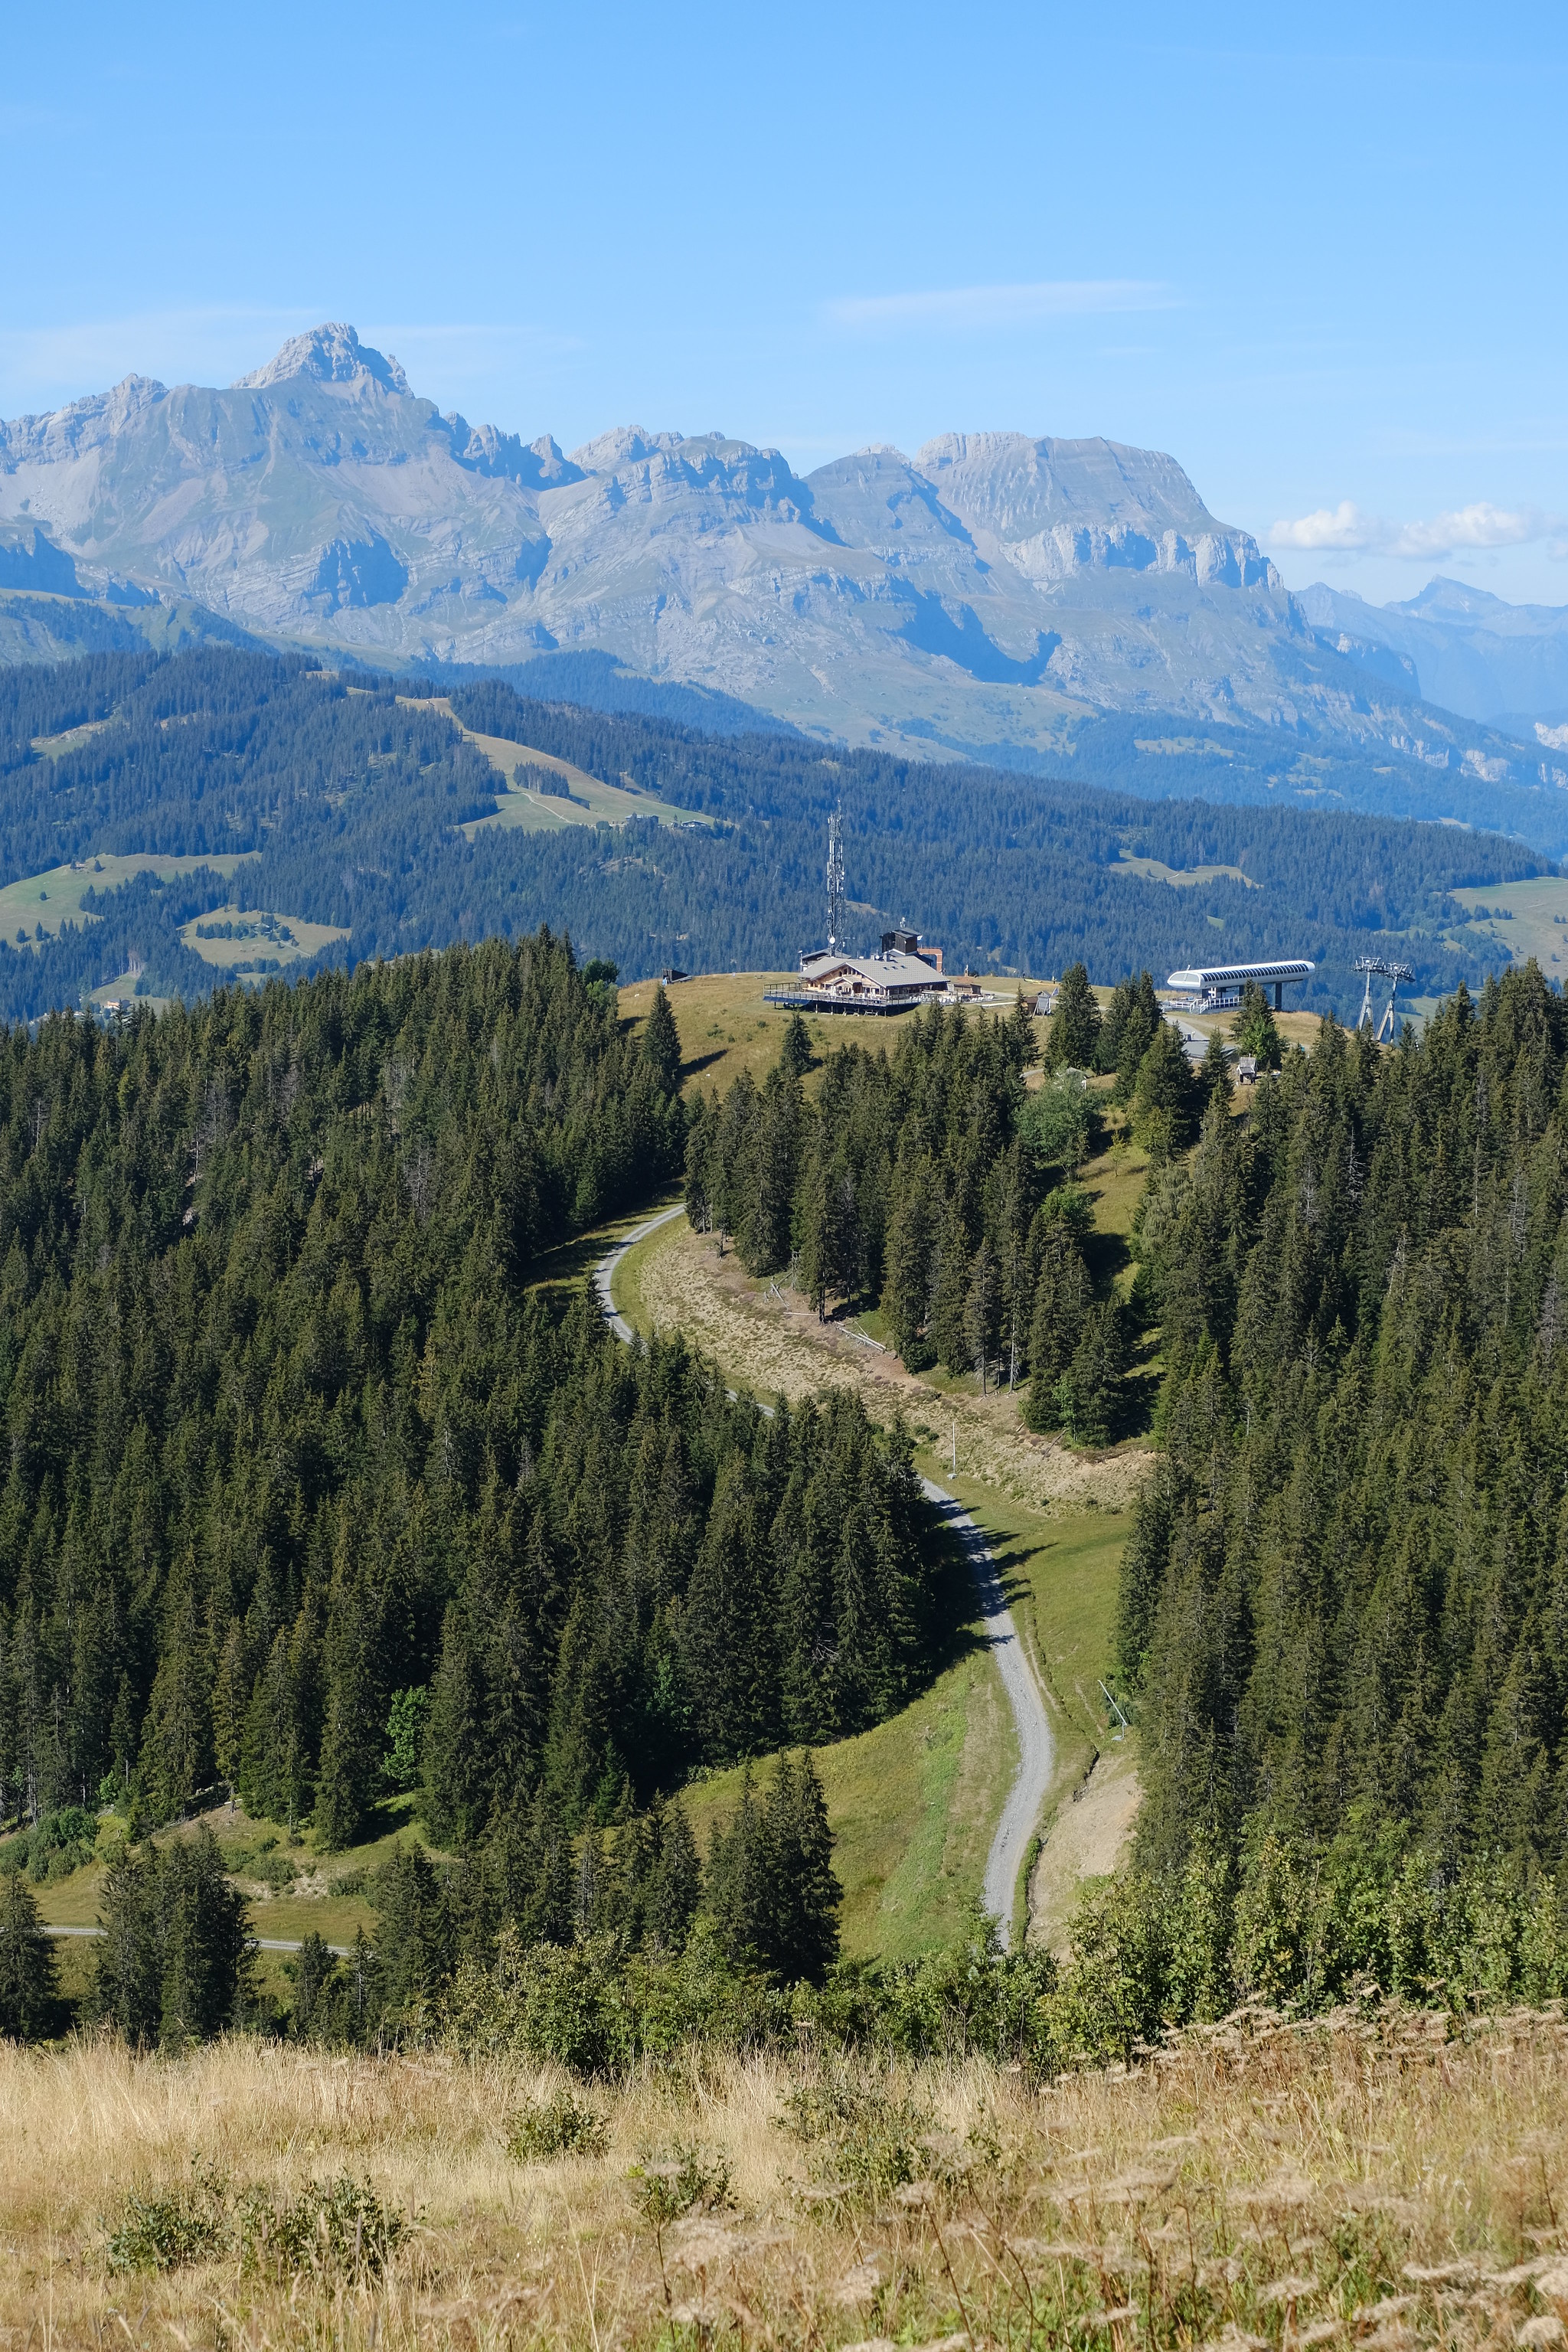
<point>836,882</point>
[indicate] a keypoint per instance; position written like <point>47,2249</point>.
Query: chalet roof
<point>890,971</point>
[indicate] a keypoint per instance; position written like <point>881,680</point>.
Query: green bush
<point>561,2126</point>
<point>171,2229</point>
<point>335,2230</point>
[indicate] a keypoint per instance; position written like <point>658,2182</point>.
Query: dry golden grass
<point>1365,2185</point>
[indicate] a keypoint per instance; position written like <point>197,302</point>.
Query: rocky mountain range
<point>1461,648</point>
<point>993,595</point>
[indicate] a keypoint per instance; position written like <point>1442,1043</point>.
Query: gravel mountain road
<point>1036,1753</point>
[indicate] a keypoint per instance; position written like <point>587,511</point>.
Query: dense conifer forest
<point>925,1178</point>
<point>347,798</point>
<point>1348,1591</point>
<point>291,1435</point>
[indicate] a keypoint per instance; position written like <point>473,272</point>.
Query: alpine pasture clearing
<point>261,941</point>
<point>1529,919</point>
<point>55,896</point>
<point>1387,2181</point>
<point>725,1026</point>
<point>591,800</point>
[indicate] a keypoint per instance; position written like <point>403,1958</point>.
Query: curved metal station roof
<point>1233,976</point>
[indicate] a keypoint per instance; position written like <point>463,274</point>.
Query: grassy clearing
<point>304,938</point>
<point>913,1805</point>
<point>1180,878</point>
<point>1529,919</point>
<point>291,1891</point>
<point>768,1340</point>
<point>725,1027</point>
<point>1260,2188</point>
<point>55,898</point>
<point>591,801</point>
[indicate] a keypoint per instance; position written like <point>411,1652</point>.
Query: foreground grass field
<point>1381,2184</point>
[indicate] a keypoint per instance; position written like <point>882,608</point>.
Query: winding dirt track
<point>1035,1747</point>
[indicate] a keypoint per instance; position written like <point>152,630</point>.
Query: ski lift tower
<point>1394,973</point>
<point>836,882</point>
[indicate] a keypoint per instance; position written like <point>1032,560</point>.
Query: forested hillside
<point>929,1180</point>
<point>290,1434</point>
<point>1345,1605</point>
<point>346,802</point>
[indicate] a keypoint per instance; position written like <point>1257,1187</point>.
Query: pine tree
<point>794,1048</point>
<point>1075,1024</point>
<point>982,1307</point>
<point>803,1941</point>
<point>1214,1074</point>
<point>29,1988</point>
<point>949,1294</point>
<point>661,1042</point>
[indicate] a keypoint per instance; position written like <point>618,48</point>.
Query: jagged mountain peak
<point>331,353</point>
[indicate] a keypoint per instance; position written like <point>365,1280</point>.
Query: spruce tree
<point>1254,1028</point>
<point>906,1293</point>
<point>28,1987</point>
<point>661,1042</point>
<point>950,1294</point>
<point>1214,1074</point>
<point>804,1927</point>
<point>1166,1096</point>
<point>1061,1302</point>
<point>982,1311</point>
<point>794,1048</point>
<point>204,1950</point>
<point>1093,1378</point>
<point>1075,1024</point>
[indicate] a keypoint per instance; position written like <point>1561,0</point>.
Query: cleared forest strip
<point>768,1341</point>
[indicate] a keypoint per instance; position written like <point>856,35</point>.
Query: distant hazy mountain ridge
<point>994,595</point>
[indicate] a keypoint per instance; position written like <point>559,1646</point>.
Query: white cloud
<point>956,309</point>
<point>1345,529</point>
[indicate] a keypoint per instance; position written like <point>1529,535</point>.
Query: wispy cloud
<point>1345,529</point>
<point>956,309</point>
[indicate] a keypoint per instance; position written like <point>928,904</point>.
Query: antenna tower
<point>834,882</point>
<point>1394,973</point>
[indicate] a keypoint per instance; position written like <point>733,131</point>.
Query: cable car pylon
<point>1394,973</point>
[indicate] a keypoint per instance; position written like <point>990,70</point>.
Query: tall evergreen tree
<point>1075,1024</point>
<point>29,1986</point>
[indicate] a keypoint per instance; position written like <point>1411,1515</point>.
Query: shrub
<point>170,2231</point>
<point>335,2228</point>
<point>690,2178</point>
<point>561,2126</point>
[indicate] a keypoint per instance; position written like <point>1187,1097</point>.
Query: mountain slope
<point>994,593</point>
<point>1468,650</point>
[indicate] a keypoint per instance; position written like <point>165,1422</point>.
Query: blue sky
<point>1318,256</point>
